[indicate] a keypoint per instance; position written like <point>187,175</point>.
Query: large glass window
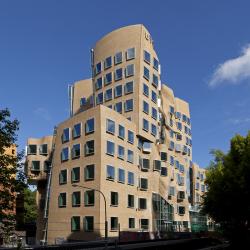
<point>89,172</point>
<point>88,223</point>
<point>130,137</point>
<point>142,203</point>
<point>99,98</point>
<point>77,130</point>
<point>128,88</point>
<point>154,113</point>
<point>75,223</point>
<point>89,148</point>
<point>131,222</point>
<point>154,96</point>
<point>98,84</point>
<point>76,199</point>
<point>131,201</point>
<point>63,177</point>
<point>118,107</point>
<point>131,180</point>
<point>118,74</point>
<point>145,89</point>
<point>145,107</point>
<point>110,172</point>
<point>75,151</point>
<point>121,152</point>
<point>75,174</point>
<point>98,68</point>
<point>110,126</point>
<point>146,73</point>
<point>62,200</point>
<point>129,105</point>
<point>65,154</point>
<point>113,198</point>
<point>65,135</point>
<point>147,58</point>
<point>108,78</point>
<point>108,62</point>
<point>118,57</point>
<point>89,198</point>
<point>90,126</point>
<point>121,133</point>
<point>110,148</point>
<point>130,156</point>
<point>156,64</point>
<point>118,91</point>
<point>121,175</point>
<point>108,95</point>
<point>32,149</point>
<point>114,223</point>
<point>130,54</point>
<point>129,71</point>
<point>145,125</point>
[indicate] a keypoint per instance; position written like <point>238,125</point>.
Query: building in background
<point>127,136</point>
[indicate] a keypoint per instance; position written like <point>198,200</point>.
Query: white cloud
<point>236,121</point>
<point>42,113</point>
<point>233,71</point>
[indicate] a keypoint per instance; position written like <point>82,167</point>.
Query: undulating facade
<point>127,136</point>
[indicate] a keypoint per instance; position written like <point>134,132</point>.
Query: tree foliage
<point>228,179</point>
<point>30,208</point>
<point>12,178</point>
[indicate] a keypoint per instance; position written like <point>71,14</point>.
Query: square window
<point>157,165</point>
<point>43,149</point>
<point>113,198</point>
<point>62,200</point>
<point>129,71</point>
<point>35,166</point>
<point>118,57</point>
<point>118,91</point>
<point>121,133</point>
<point>88,223</point>
<point>121,175</point>
<point>89,198</point>
<point>63,177</point>
<point>89,148</point>
<point>76,199</point>
<point>145,89</point>
<point>142,203</point>
<point>75,174</point>
<point>76,151</point>
<point>110,126</point>
<point>108,95</point>
<point>89,172</point>
<point>110,148</point>
<point>121,152</point>
<point>129,105</point>
<point>108,62</point>
<point>130,137</point>
<point>181,210</point>
<point>98,84</point>
<point>110,172</point>
<point>129,88</point>
<point>118,74</point>
<point>131,201</point>
<point>108,78</point>
<point>90,126</point>
<point>131,178</point>
<point>32,149</point>
<point>146,73</point>
<point>76,130</point>
<point>147,57</point>
<point>144,224</point>
<point>75,223</point>
<point>114,223</point>
<point>118,107</point>
<point>65,154</point>
<point>130,54</point>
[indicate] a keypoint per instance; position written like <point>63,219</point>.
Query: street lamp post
<point>105,206</point>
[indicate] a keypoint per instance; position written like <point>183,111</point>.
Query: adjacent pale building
<point>129,137</point>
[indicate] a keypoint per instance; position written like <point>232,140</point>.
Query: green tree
<point>30,208</point>
<point>228,198</point>
<point>12,178</point>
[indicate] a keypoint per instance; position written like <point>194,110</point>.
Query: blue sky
<point>203,47</point>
